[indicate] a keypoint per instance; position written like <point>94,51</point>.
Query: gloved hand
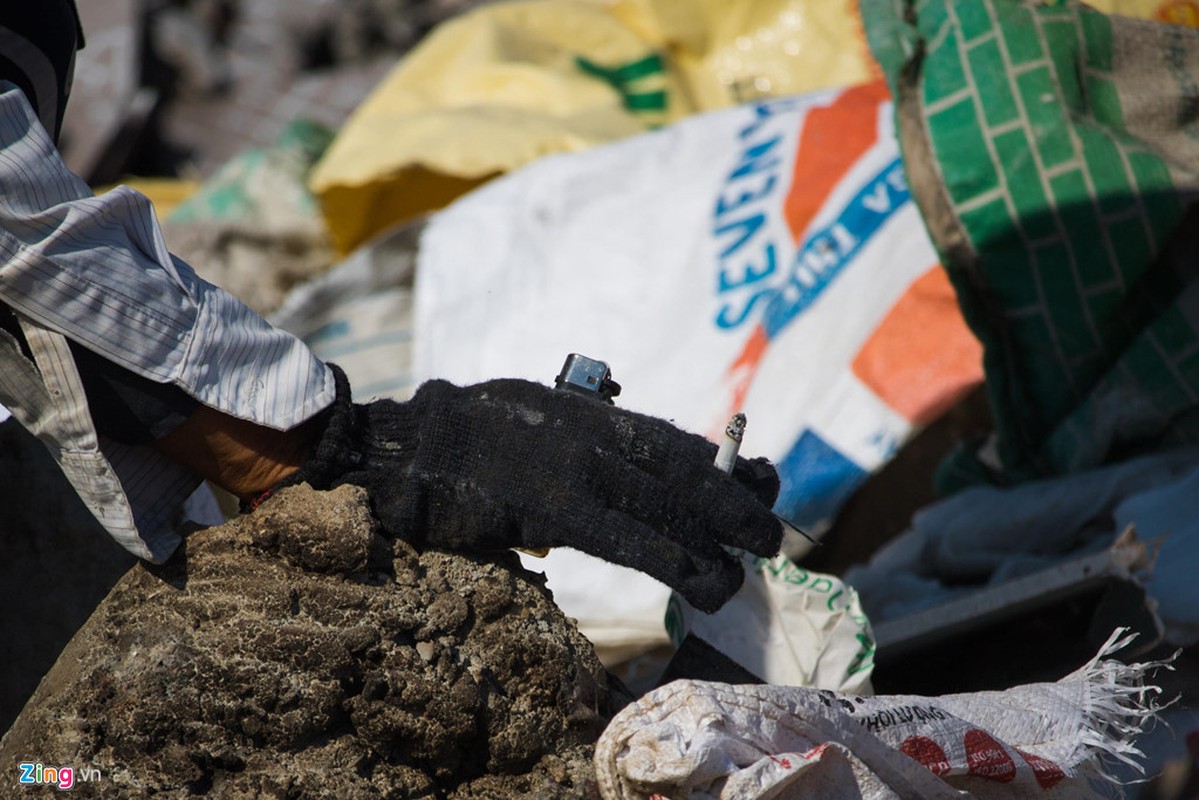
<point>510,463</point>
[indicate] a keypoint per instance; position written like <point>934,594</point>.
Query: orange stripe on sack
<point>740,374</point>
<point>921,359</point>
<point>834,137</point>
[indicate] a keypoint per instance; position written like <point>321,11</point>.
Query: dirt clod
<point>298,653</point>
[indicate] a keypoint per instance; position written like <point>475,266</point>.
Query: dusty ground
<point>297,653</point>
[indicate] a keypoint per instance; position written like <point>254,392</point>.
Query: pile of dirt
<point>296,652</point>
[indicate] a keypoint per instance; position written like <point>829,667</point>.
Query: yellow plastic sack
<point>483,94</point>
<point>740,51</point>
<point>508,83</point>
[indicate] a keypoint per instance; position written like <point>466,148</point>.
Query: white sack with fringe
<point>1055,741</point>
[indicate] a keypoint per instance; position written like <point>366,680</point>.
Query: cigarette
<point>726,455</point>
<point>726,459</point>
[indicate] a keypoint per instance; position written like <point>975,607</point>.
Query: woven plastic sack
<point>763,259</point>
<point>1052,152</point>
<point>1056,741</point>
<point>787,626</point>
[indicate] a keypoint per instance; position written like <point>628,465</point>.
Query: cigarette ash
<point>296,652</point>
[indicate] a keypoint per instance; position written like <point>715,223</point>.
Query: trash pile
<point>941,256</point>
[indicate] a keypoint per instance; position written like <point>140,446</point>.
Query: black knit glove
<point>509,463</point>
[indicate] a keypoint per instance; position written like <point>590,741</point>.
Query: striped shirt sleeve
<point>95,270</point>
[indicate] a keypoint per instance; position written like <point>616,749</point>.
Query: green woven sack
<point>1053,152</point>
